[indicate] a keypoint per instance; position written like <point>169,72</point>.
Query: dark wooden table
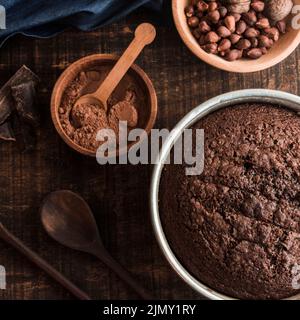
<point>117,194</point>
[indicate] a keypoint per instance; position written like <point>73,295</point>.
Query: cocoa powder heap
<point>82,122</point>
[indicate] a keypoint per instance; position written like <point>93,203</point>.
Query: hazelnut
<point>189,11</point>
<point>210,48</point>
<point>243,44</point>
<point>264,41</point>
<point>234,38</point>
<point>223,11</point>
<point>241,27</point>
<point>202,6</point>
<point>197,33</point>
<point>212,37</point>
<point>250,18</point>
<point>254,42</point>
<point>214,16</point>
<point>223,32</point>
<point>204,27</point>
<point>281,26</point>
<point>264,50</point>
<point>251,33</point>
<point>229,22</point>
<point>233,55</point>
<point>272,33</point>
<point>212,6</point>
<point>254,53</point>
<point>193,22</point>
<point>263,23</point>
<point>224,45</point>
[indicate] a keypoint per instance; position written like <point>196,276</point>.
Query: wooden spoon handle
<point>37,260</point>
<point>144,35</point>
<point>123,274</point>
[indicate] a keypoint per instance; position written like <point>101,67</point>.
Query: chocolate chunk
<point>24,133</point>
<point>6,132</point>
<point>17,99</point>
<point>6,104</point>
<point>24,95</point>
<point>23,75</point>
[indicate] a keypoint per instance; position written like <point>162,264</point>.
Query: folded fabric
<point>44,18</point>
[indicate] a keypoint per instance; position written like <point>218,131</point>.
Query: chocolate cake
<point>236,227</point>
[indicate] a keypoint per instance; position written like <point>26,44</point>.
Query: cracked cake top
<point>236,227</point>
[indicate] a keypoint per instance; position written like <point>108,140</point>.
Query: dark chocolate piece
<point>17,96</point>
<point>23,75</point>
<point>24,95</point>
<point>6,132</point>
<point>6,104</point>
<point>24,133</point>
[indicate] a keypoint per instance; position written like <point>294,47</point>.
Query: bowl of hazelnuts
<point>238,35</point>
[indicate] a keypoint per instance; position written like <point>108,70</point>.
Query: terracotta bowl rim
<point>76,65</point>
<point>220,63</point>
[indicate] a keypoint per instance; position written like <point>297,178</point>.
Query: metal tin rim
<point>231,98</point>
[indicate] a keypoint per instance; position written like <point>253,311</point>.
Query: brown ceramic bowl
<point>282,49</point>
<point>103,63</point>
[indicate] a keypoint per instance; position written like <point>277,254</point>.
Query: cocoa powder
<point>82,122</point>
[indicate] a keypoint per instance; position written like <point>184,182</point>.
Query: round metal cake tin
<point>228,99</point>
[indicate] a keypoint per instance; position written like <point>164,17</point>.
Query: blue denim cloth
<point>44,18</point>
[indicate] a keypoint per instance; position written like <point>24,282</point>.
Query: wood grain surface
<point>117,194</point>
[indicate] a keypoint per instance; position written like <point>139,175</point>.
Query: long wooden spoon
<point>68,219</point>
<point>144,35</point>
<point>37,260</point>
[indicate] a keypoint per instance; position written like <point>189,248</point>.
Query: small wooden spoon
<point>144,35</point>
<point>68,219</point>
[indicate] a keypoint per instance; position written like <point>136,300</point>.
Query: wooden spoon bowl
<point>281,50</point>
<point>103,63</point>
